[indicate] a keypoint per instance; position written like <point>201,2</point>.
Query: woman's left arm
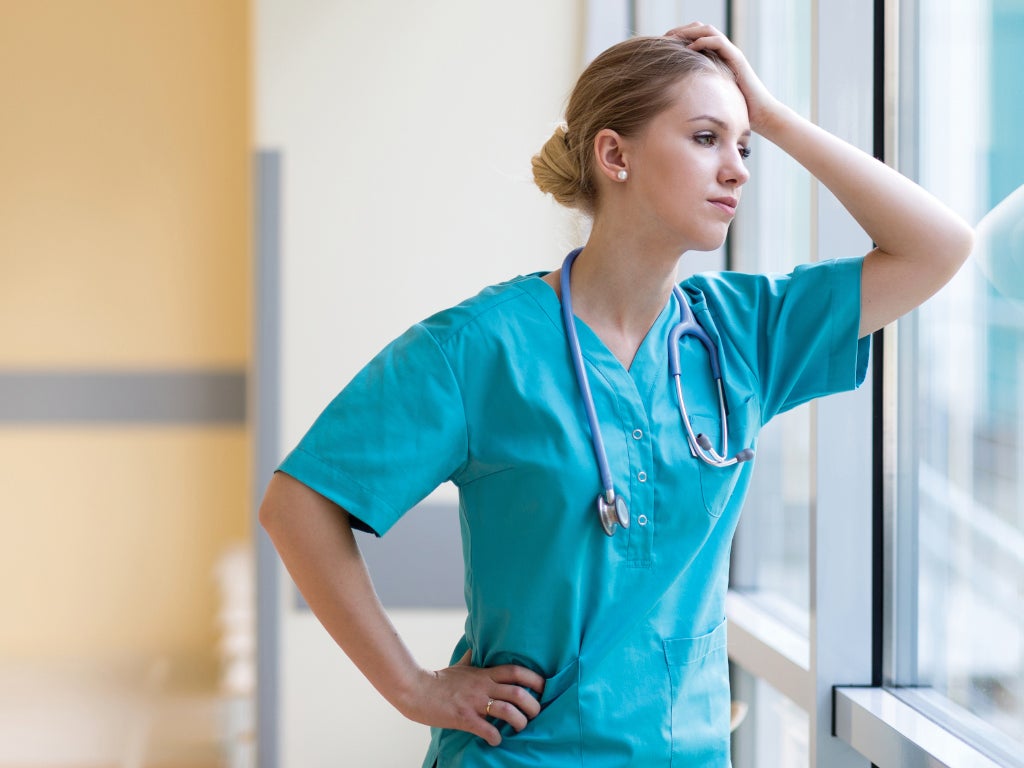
<point>920,243</point>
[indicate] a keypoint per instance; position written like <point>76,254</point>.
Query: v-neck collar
<point>650,359</point>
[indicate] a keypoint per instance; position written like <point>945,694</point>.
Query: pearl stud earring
<point>623,175</point>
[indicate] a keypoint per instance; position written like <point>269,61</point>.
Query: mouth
<point>726,204</point>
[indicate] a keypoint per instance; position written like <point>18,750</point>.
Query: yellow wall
<point>124,182</point>
<point>110,538</point>
<point>124,245</point>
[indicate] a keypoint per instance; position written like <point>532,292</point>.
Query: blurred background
<point>134,163</point>
<point>125,309</point>
<point>214,212</point>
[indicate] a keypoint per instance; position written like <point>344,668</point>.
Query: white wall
<point>330,716</point>
<point>406,129</point>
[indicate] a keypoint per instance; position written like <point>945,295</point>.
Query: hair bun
<point>555,170</point>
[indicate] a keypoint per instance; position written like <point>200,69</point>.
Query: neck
<point>619,286</point>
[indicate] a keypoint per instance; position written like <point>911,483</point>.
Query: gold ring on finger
<point>487,711</point>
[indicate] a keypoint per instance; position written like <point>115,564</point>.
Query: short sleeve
<point>796,332</point>
<point>395,433</point>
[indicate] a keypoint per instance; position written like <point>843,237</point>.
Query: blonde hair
<point>622,89</point>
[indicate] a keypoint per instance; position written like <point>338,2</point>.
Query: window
<point>949,640</point>
<point>775,729</point>
<point>958,561</point>
<point>772,233</point>
<point>772,558</point>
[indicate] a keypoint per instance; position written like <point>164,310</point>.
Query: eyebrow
<point>720,123</point>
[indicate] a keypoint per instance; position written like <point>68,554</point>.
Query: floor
<point>121,714</point>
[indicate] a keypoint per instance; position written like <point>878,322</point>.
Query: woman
<point>596,516</point>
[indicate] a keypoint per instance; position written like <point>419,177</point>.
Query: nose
<point>733,171</point>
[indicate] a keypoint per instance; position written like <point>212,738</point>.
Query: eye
<point>706,138</point>
<point>745,152</point>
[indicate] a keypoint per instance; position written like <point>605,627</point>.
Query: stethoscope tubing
<point>576,352</point>
<point>700,445</point>
<point>611,509</point>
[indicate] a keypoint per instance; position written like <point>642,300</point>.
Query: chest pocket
<point>718,483</point>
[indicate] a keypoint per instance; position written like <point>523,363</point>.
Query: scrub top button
<point>637,434</point>
<point>642,520</point>
<point>642,476</point>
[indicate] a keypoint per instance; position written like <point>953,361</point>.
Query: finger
<point>695,30</point>
<point>685,33</point>
<point>519,698</point>
<point>473,719</point>
<point>486,731</point>
<point>702,43</point>
<point>714,42</point>
<point>466,659</point>
<point>726,50</point>
<point>516,675</point>
<point>691,25</point>
<point>503,710</point>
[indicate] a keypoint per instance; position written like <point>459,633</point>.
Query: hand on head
<point>761,105</point>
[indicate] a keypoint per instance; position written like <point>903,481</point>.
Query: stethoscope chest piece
<point>612,513</point>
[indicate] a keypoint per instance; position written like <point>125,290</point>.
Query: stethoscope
<point>611,509</point>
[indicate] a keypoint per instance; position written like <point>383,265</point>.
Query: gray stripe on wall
<point>151,397</point>
<point>266,439</point>
<point>418,563</point>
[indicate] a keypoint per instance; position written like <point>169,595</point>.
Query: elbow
<point>272,506</point>
<point>964,244</point>
<point>953,250</point>
<point>267,515</point>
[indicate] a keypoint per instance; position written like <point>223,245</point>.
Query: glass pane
<point>962,368</point>
<point>774,732</point>
<point>772,233</point>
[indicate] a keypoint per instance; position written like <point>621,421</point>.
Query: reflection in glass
<point>1000,248</point>
<point>962,452</point>
<point>775,731</point>
<point>970,481</point>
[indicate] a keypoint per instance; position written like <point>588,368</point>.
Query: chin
<point>706,244</point>
<point>708,235</point>
<point>701,239</point>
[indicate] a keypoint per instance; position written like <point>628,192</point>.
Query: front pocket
<point>699,674</point>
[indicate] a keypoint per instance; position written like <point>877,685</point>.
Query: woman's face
<point>686,167</point>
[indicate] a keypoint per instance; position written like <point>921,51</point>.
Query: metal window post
<point>841,514</point>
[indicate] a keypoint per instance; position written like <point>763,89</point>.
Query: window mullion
<point>841,515</point>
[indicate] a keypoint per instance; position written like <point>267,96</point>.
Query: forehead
<point>712,95</point>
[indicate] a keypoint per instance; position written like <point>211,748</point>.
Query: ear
<point>610,154</point>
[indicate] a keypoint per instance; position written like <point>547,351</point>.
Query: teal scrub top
<point>628,630</point>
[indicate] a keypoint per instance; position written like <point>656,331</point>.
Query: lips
<point>726,204</point>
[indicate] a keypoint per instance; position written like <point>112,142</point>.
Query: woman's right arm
<point>314,539</point>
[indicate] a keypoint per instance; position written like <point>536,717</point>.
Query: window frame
<point>838,646</point>
<point>855,672</point>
